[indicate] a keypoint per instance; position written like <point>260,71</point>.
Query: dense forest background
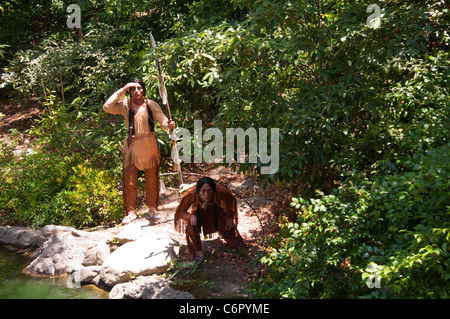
<point>362,111</point>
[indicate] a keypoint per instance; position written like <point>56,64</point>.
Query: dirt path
<point>16,117</point>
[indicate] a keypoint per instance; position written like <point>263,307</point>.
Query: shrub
<point>50,188</point>
<point>399,223</point>
<point>28,181</point>
<point>84,69</point>
<point>90,198</point>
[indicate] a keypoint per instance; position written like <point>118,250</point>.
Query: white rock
<point>128,233</point>
<point>96,255</point>
<point>62,251</point>
<point>49,230</point>
<point>147,287</point>
<point>149,254</point>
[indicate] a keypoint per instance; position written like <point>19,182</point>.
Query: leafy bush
<point>398,223</point>
<point>342,94</point>
<point>84,70</point>
<point>70,174</point>
<point>29,181</point>
<point>46,188</point>
<point>90,198</point>
<point>363,118</point>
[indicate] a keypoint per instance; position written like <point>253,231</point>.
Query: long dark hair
<point>205,180</point>
<point>141,83</point>
<point>131,129</point>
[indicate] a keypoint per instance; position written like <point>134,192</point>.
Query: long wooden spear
<point>163,94</point>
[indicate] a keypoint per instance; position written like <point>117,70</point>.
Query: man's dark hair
<point>203,181</point>
<point>141,83</point>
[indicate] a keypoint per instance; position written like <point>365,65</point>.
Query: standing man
<point>140,150</point>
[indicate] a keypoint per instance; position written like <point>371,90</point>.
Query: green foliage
<point>399,222</point>
<point>342,94</point>
<point>71,173</point>
<point>80,69</point>
<point>362,112</point>
<point>56,180</point>
<point>90,198</point>
<point>40,188</point>
<point>25,22</point>
<point>29,181</point>
<point>2,52</point>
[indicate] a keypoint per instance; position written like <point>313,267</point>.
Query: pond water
<point>16,285</point>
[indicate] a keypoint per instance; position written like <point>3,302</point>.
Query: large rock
<point>86,258</point>
<point>147,287</point>
<point>49,230</point>
<point>97,254</point>
<point>64,249</point>
<point>21,237</point>
<point>147,255</point>
<point>128,233</point>
<point>84,275</point>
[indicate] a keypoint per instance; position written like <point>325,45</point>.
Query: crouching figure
<point>209,207</point>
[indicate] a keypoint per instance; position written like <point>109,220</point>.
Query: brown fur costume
<point>225,207</point>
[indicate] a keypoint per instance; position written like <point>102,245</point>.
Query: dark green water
<point>15,285</point>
